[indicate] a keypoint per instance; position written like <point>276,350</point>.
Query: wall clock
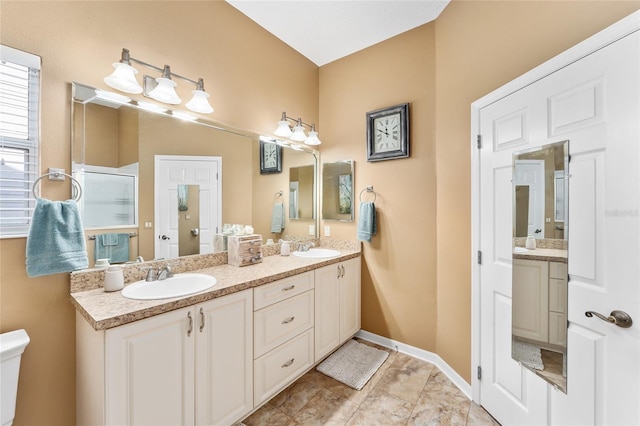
<point>388,133</point>
<point>270,158</point>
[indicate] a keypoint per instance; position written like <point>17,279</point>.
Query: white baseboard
<point>420,354</point>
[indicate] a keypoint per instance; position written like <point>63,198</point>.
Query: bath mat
<point>528,354</point>
<point>353,364</point>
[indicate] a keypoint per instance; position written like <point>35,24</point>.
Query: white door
<point>530,173</point>
<point>171,171</point>
<point>594,102</point>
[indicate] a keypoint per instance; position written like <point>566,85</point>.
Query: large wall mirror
<point>539,273</point>
<point>117,143</point>
<point>337,191</point>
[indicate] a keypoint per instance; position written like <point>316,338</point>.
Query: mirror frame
<point>340,217</point>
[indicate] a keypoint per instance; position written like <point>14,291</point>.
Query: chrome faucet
<point>159,275</point>
<point>306,246</point>
<point>165,272</point>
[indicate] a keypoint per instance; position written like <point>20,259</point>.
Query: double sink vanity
<point>215,356</point>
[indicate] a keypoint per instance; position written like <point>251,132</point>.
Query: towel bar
<point>93,237</point>
<point>57,174</point>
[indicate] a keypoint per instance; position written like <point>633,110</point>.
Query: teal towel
<point>55,242</point>
<point>277,218</point>
<point>367,222</point>
<point>114,247</point>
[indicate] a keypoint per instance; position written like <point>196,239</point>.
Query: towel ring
<point>74,184</point>
<point>369,189</point>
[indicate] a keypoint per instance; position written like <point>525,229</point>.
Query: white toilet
<point>12,345</point>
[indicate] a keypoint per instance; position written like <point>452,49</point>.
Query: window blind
<point>19,138</point>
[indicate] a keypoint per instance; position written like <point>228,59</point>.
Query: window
<point>19,138</point>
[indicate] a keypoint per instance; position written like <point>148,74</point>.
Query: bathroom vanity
<point>216,356</point>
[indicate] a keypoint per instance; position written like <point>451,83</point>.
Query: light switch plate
<point>327,231</point>
<point>312,230</point>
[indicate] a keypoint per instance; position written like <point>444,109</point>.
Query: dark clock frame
<point>403,152</point>
<point>268,170</point>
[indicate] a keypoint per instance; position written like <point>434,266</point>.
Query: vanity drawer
<point>279,322</point>
<point>269,294</point>
<point>275,370</point>
<point>558,270</point>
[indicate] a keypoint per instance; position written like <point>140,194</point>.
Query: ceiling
<point>326,30</point>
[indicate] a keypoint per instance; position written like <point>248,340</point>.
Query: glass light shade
<point>298,134</point>
<point>283,129</point>
<point>123,78</point>
<point>313,138</point>
<point>165,92</point>
<point>199,102</point>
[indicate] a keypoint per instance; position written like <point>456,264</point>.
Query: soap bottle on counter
<point>113,278</point>
<point>530,243</point>
<point>285,248</point>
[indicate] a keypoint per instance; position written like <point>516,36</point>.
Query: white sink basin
<point>318,253</point>
<point>176,286</point>
<point>520,250</point>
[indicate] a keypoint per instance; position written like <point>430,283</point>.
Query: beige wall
<point>78,41</point>
<point>416,279</point>
<point>416,273</point>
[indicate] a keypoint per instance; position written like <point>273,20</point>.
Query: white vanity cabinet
<point>283,333</point>
<point>540,292</point>
<point>337,305</point>
<point>189,366</point>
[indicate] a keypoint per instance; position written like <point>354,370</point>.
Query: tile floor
<point>404,391</point>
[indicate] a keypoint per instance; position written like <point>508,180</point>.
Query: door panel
<point>595,104</point>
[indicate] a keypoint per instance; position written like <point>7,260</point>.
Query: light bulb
<point>123,78</point>
<point>199,102</point>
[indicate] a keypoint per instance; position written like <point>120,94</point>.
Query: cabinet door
<point>327,310</point>
<point>150,370</point>
<point>349,299</point>
<point>224,359</point>
<point>530,293</point>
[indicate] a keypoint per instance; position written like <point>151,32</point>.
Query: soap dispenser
<point>530,242</point>
<point>285,249</point>
<point>113,278</point>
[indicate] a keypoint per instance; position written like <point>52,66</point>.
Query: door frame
<point>596,42</point>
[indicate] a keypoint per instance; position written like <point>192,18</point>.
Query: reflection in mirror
<point>337,191</point>
<point>188,219</point>
<point>301,194</point>
<point>540,261</point>
<point>122,136</point>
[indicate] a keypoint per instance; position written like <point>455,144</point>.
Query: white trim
<point>596,42</point>
<point>20,57</point>
<point>420,354</point>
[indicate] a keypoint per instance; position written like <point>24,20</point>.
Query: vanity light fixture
<point>297,134</point>
<point>161,89</point>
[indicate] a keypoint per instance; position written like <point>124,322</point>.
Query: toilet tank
<point>12,345</point>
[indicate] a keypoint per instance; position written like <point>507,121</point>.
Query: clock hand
<point>383,131</point>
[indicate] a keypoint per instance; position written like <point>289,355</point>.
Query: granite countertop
<point>544,254</point>
<point>105,310</point>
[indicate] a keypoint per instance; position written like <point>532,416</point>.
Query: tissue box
<point>244,250</point>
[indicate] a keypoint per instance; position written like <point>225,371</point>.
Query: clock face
<point>387,133</point>
<point>270,160</point>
